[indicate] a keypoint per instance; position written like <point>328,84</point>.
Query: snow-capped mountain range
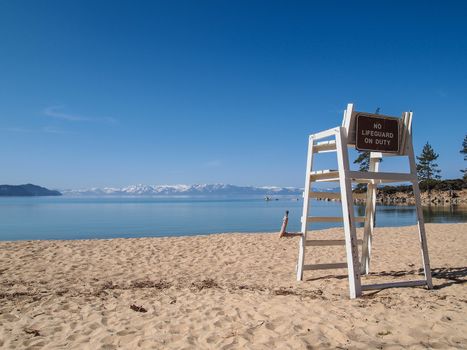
<point>187,190</point>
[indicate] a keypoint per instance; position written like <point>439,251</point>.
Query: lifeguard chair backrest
<point>405,128</point>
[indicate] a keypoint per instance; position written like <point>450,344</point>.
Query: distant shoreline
<point>436,198</point>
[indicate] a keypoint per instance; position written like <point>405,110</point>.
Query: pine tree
<point>427,169</point>
<point>464,152</point>
<point>363,161</point>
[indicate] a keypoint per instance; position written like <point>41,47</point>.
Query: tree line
<point>428,171</point>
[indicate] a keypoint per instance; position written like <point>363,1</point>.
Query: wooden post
<point>283,231</point>
<point>369,217</point>
<point>420,219</point>
<point>348,214</point>
<point>306,208</point>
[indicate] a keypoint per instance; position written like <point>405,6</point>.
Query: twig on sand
<point>137,308</point>
<point>206,283</point>
<point>32,331</point>
<point>260,323</point>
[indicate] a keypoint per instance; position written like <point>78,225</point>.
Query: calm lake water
<point>82,218</point>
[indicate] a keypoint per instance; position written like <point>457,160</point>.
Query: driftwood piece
<point>283,232</point>
<point>137,308</point>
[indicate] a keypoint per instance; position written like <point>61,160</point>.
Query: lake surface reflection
<point>113,217</point>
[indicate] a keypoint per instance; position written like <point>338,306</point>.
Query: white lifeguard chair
<point>382,136</point>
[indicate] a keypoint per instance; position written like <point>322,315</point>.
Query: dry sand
<point>229,291</point>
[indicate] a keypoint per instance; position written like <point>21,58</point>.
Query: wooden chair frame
<point>342,138</point>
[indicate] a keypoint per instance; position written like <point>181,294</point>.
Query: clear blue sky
<point>112,93</point>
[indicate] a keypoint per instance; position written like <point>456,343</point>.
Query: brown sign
<point>377,134</point>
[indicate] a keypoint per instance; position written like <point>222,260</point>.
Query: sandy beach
<point>229,291</point>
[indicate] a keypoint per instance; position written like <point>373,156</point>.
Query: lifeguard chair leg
<point>353,263</point>
<point>369,219</point>
<point>306,209</point>
<point>420,219</point>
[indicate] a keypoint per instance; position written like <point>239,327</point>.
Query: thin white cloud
<point>57,113</point>
<point>213,163</point>
<point>53,130</point>
<point>15,129</point>
<point>54,111</point>
<point>45,129</point>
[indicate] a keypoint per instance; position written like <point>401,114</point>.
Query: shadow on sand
<point>453,275</point>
